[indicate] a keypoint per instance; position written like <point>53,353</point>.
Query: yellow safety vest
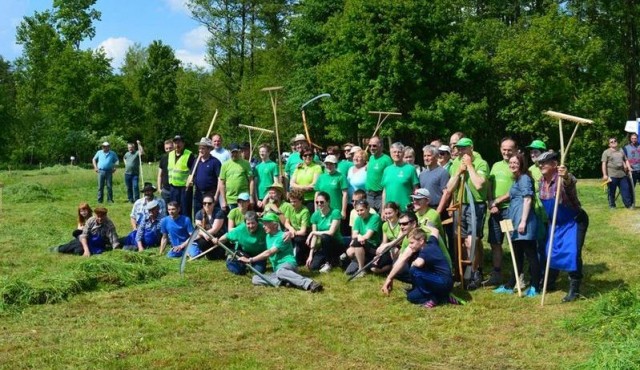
<point>178,170</point>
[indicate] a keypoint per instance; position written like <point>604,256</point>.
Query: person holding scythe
<point>249,238</point>
<point>280,255</point>
<point>206,174</point>
<point>571,224</point>
<point>211,219</point>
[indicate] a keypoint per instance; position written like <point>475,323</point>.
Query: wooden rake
<point>260,130</point>
<point>382,116</point>
<point>506,226</point>
<point>273,95</point>
<point>563,155</point>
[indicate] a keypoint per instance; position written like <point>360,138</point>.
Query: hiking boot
<point>503,290</point>
<point>476,281</point>
<point>325,268</point>
<point>315,287</point>
<point>574,291</point>
<point>495,279</point>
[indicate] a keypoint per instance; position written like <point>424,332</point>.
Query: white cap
<point>331,159</point>
<point>444,148</point>
<point>355,149</point>
<point>106,143</point>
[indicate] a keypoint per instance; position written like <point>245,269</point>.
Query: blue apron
<point>564,255</point>
<point>96,244</point>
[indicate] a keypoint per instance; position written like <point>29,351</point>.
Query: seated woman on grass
<point>84,213</point>
<point>390,232</point>
<point>176,228</point>
<point>430,271</point>
<point>98,234</point>
<point>236,215</point>
<point>324,240</point>
<point>365,238</point>
<point>249,238</point>
<point>275,202</point>
<point>211,219</point>
<point>298,222</point>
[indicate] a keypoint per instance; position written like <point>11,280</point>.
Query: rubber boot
<point>574,291</point>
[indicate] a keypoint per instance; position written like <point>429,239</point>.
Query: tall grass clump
<point>28,193</point>
<point>109,271</point>
<point>613,323</point>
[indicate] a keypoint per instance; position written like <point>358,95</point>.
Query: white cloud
<point>178,6</point>
<point>116,49</point>
<point>196,39</point>
<point>194,58</point>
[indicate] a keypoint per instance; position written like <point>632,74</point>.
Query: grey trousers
<point>287,273</point>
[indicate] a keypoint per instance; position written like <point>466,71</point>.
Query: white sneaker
<point>325,268</point>
<point>523,284</point>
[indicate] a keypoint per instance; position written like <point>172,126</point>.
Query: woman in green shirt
<point>324,240</point>
<point>297,222</point>
<point>236,215</point>
<point>390,232</point>
<point>305,176</point>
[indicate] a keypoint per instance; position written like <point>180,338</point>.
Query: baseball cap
<point>464,142</point>
<point>421,193</point>
<point>537,144</point>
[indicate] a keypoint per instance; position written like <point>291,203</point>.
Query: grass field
<point>115,311</point>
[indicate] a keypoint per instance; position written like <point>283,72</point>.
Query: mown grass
<point>211,319</point>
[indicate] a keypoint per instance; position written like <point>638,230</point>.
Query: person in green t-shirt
<point>500,181</point>
<point>298,223</point>
<point>280,255</point>
<point>236,215</point>
<point>347,161</point>
<point>390,232</point>
<point>298,143</point>
<point>424,213</point>
<point>236,177</point>
<point>335,184</point>
<point>275,202</point>
<point>324,240</point>
<point>266,174</point>
<point>399,180</point>
<point>378,161</point>
<point>305,176</point>
<point>476,171</point>
<point>250,239</point>
<point>365,237</point>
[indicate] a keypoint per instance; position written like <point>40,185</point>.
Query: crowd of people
<point>355,209</point>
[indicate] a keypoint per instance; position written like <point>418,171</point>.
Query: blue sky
<point>123,23</point>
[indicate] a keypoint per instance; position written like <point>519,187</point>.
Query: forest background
<point>488,68</point>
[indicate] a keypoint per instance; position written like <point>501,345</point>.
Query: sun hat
<point>331,159</point>
<point>298,137</point>
<point>444,148</point>
<point>205,141</point>
<point>106,143</point>
<point>277,187</point>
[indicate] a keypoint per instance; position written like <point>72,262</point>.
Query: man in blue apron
<point>571,224</point>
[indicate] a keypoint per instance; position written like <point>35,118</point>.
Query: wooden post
<point>506,226</point>
<point>273,95</point>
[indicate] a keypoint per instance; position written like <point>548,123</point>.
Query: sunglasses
<point>207,203</point>
<point>403,223</point>
<point>320,202</point>
<point>613,141</point>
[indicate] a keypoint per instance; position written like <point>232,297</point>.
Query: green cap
<point>270,217</point>
<point>537,144</point>
<point>464,142</point>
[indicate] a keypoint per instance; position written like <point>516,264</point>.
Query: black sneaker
<point>475,282</point>
<point>315,287</point>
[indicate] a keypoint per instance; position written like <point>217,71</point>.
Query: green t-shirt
<point>284,253</point>
<point>343,166</point>
<point>236,216</point>
<point>432,216</point>
<point>333,184</point>
<point>304,176</point>
<point>236,175</point>
<point>292,163</point>
<point>132,163</point>
<point>284,207</point>
<point>482,168</point>
<point>264,173</point>
<point>391,232</point>
<point>323,222</point>
<point>399,182</point>
<point>536,175</point>
<point>501,180</point>
<point>251,243</point>
<point>300,218</point>
<point>372,223</point>
<point>375,169</point>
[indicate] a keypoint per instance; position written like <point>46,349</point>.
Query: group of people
<point>621,170</point>
<point>356,209</point>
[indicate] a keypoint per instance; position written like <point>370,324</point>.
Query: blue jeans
<point>625,191</point>
<point>105,178</point>
<point>133,189</point>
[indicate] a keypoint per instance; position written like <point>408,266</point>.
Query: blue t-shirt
<point>434,258</point>
<point>207,173</point>
<point>435,181</point>
<point>178,230</point>
<point>105,161</point>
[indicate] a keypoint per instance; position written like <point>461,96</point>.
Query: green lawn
<point>212,319</point>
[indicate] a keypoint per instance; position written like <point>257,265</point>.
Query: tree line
<point>488,68</point>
